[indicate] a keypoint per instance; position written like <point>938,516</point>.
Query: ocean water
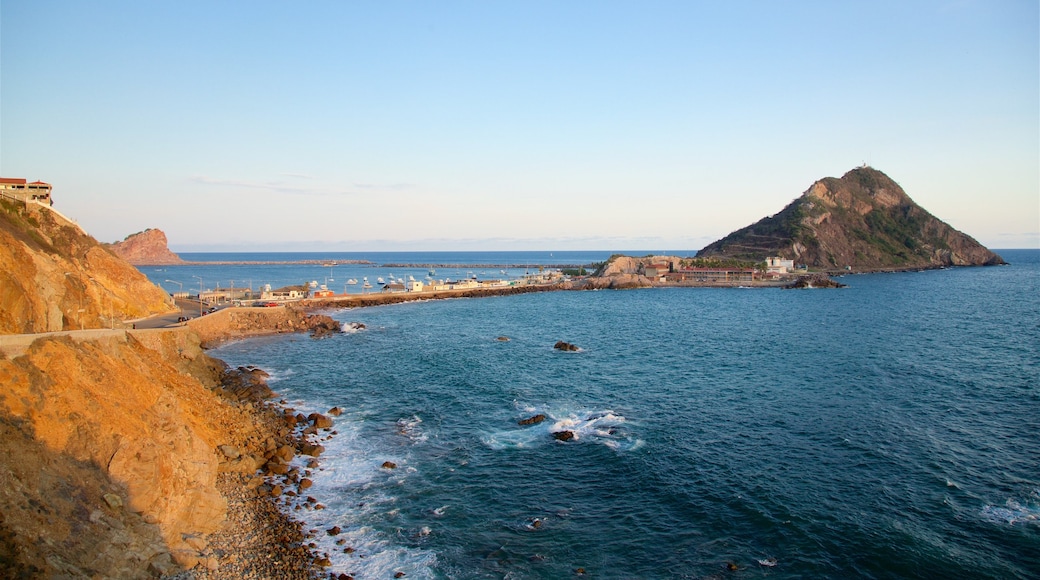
<point>887,430</point>
<point>335,276</point>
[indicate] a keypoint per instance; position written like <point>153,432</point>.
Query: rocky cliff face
<point>53,276</point>
<point>111,455</point>
<point>147,248</point>
<point>863,220</point>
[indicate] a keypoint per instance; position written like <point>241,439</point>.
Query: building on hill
<point>778,265</point>
<point>16,188</point>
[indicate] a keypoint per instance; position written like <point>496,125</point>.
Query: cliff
<point>147,248</point>
<point>863,220</point>
<point>110,458</point>
<point>53,276</point>
<point>130,453</point>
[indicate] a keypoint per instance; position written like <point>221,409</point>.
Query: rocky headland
<point>147,248</point>
<point>863,221</point>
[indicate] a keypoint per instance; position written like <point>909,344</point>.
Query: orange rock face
<point>53,277</point>
<point>147,248</point>
<point>119,405</point>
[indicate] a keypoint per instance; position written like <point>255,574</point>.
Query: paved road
<point>188,309</point>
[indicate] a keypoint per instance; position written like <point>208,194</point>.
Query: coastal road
<point>187,309</point>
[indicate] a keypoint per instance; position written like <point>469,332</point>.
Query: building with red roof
<point>16,188</point>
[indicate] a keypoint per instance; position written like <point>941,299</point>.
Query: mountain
<point>147,248</point>
<point>54,276</point>
<point>864,221</point>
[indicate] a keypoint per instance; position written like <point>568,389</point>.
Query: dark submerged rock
<point>532,420</point>
<point>814,281</point>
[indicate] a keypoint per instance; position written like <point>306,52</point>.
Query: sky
<point>513,125</point>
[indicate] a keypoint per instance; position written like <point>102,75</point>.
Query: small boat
<point>380,280</point>
<point>352,281</point>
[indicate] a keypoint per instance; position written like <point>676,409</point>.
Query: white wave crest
<point>605,427</point>
<point>1011,513</point>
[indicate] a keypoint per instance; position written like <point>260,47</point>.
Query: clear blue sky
<point>513,125</point>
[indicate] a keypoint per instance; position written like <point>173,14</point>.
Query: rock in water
<point>532,420</point>
<point>563,435</point>
<point>561,345</point>
<point>815,281</point>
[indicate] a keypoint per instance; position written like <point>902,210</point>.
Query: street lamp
<point>200,294</point>
<point>180,287</point>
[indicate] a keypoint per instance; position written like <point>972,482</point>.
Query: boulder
<point>114,501</point>
<point>536,419</point>
<point>246,384</point>
<point>229,451</point>
<point>320,421</point>
<point>311,450</point>
<point>275,468</point>
<point>322,326</point>
<point>566,346</point>
<point>563,435</point>
<point>389,465</point>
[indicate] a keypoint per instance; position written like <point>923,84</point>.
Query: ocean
<point>335,271</point>
<point>890,429</point>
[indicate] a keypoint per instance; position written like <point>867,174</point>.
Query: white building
<point>778,265</point>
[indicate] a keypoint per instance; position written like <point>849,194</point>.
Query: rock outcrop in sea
<point>147,248</point>
<point>863,221</point>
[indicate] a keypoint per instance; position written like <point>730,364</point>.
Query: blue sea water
<point>887,430</point>
<point>212,270</point>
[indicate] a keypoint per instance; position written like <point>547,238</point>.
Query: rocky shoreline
<point>258,478</point>
<point>260,538</point>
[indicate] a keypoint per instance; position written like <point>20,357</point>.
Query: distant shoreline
<point>328,263</point>
<point>325,263</point>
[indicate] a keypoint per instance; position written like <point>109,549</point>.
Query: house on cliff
<point>17,189</point>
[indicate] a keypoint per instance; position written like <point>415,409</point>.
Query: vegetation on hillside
<point>862,220</point>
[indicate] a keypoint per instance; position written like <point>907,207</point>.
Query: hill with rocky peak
<point>54,276</point>
<point>147,248</point>
<point>864,220</point>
